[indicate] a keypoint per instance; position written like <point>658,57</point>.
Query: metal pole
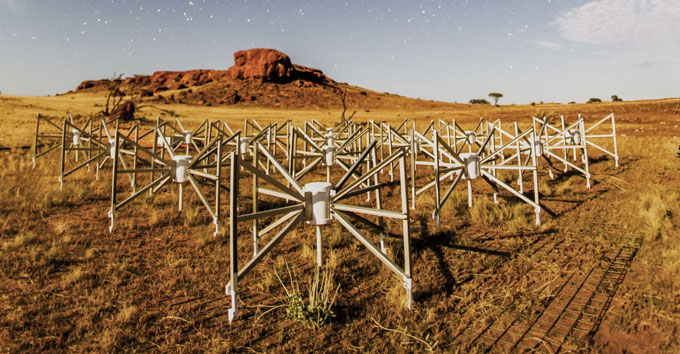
<point>63,155</point>
<point>181,195</point>
<point>534,162</point>
<point>319,261</point>
<point>414,155</point>
<point>616,153</point>
<point>378,202</point>
<point>437,211</point>
<point>232,287</point>
<point>255,197</point>
<point>37,132</point>
<point>218,183</point>
<point>89,143</point>
<point>153,149</point>
<point>584,151</point>
<point>408,283</point>
<point>520,178</point>
<point>134,159</point>
<point>389,138</point>
<point>114,179</point>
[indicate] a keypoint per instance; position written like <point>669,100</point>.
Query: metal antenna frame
<point>389,139</point>
<point>205,168</point>
<point>486,163</point>
<point>339,126</point>
<point>301,209</point>
<point>49,137</point>
<point>607,135</point>
<point>281,137</point>
<point>340,132</point>
<point>255,128</point>
<point>318,132</point>
<point>266,135</point>
<point>196,138</point>
<point>343,153</point>
<point>95,150</point>
<point>463,138</point>
<point>270,135</point>
<point>565,139</point>
<point>522,146</point>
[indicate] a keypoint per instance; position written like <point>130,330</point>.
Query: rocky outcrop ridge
<point>259,65</point>
<point>271,65</point>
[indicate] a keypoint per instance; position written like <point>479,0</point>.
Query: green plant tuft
<point>315,309</point>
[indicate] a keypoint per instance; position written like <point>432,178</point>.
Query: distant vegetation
<point>495,96</point>
<point>616,98</point>
<point>479,101</point>
<point>593,100</point>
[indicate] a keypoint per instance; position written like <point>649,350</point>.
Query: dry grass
<point>512,216</point>
<point>157,283</point>
<point>21,240</point>
<point>656,206</point>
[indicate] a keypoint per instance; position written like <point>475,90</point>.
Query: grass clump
<point>655,212</point>
<point>316,308</point>
<point>55,254</point>
<point>485,212</point>
<point>126,314</point>
<point>83,191</point>
<point>54,198</point>
<point>20,240</point>
<point>205,237</point>
<point>73,277</point>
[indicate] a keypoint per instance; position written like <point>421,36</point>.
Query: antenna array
<point>314,175</point>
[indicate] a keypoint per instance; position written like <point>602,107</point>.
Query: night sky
<point>552,51</point>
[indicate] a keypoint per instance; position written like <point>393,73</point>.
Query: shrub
<point>479,101</point>
<point>317,308</point>
<point>594,100</point>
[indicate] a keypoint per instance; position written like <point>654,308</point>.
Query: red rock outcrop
<point>266,65</point>
<point>271,65</point>
<point>92,84</point>
<point>259,65</point>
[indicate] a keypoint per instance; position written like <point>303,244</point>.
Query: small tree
<point>594,100</point>
<point>116,104</point>
<point>616,98</point>
<point>495,96</point>
<point>115,96</point>
<point>342,95</point>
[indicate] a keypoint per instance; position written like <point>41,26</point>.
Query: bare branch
<point>342,95</point>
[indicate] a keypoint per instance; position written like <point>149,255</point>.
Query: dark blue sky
<point>446,50</point>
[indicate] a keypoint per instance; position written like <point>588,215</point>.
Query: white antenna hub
<point>181,168</point>
<point>471,164</point>
<point>317,202</point>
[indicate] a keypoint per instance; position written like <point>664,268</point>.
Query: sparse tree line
<point>495,96</point>
<point>615,98</point>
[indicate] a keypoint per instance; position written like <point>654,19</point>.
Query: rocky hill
<point>259,77</point>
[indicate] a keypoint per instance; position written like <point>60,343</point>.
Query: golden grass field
<point>157,282</point>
